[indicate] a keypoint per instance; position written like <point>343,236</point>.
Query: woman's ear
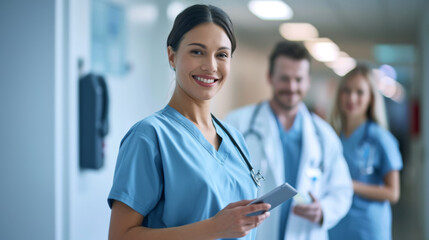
<point>171,57</point>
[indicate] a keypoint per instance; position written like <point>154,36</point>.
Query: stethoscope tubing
<point>256,176</point>
<point>368,168</point>
<point>251,131</point>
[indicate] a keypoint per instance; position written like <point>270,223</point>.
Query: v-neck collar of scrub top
<point>356,138</point>
<point>295,132</point>
<point>221,154</point>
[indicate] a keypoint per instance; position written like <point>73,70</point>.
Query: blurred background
<point>46,46</point>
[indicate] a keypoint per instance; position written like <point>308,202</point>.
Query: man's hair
<point>288,49</point>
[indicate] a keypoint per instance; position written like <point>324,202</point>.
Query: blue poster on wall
<point>108,38</point>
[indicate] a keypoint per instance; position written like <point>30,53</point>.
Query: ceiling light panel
<point>322,49</point>
<point>298,31</point>
<point>342,65</point>
<point>270,9</point>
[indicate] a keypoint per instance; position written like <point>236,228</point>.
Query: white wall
<point>132,97</point>
<point>28,120</point>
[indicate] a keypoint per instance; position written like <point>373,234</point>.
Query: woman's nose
<point>209,64</point>
<point>353,97</point>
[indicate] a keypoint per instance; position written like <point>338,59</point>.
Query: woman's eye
<point>196,52</point>
<point>223,55</point>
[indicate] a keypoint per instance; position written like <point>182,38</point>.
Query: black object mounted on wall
<point>93,120</point>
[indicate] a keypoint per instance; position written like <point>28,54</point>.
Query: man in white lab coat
<point>287,143</point>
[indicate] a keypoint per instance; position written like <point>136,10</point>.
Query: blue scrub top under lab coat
<point>291,140</point>
<point>368,219</point>
<point>169,173</point>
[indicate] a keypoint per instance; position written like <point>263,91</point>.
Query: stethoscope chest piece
<point>257,177</point>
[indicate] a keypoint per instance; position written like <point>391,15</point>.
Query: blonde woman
<point>372,154</point>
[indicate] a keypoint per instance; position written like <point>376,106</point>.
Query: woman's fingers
<point>247,209</point>
<point>237,204</point>
<point>254,221</point>
<point>256,207</point>
<point>232,221</point>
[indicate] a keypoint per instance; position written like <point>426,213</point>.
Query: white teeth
<point>205,80</point>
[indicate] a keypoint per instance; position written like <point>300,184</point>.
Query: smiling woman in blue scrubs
<point>178,174</point>
<point>373,157</point>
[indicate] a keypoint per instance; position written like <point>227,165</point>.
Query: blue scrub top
<point>169,173</point>
<point>371,152</point>
<point>292,144</point>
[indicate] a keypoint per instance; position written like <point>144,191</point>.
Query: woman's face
<point>355,97</point>
<point>202,61</point>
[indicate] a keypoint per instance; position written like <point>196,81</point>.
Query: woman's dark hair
<point>198,14</point>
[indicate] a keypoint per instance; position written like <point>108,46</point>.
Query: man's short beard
<point>281,105</point>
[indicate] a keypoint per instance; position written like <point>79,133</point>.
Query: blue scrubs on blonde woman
<point>373,157</point>
<point>179,174</point>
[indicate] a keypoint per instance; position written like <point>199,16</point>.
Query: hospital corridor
<point>77,77</point>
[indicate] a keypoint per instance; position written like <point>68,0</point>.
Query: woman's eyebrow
<point>198,44</point>
<point>224,48</point>
<point>204,46</point>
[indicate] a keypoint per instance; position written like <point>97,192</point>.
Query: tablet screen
<point>275,197</point>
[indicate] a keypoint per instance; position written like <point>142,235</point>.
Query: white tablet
<point>275,197</point>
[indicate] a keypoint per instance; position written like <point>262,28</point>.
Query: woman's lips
<point>205,81</point>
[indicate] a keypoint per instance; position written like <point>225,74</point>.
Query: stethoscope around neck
<point>251,131</point>
<point>314,171</point>
<point>368,156</point>
<point>256,176</point>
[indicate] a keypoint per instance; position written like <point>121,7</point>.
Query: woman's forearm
<point>374,192</point>
<point>203,230</point>
<point>390,190</point>
<point>126,224</point>
<point>230,222</point>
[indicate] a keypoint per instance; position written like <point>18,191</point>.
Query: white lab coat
<point>333,189</point>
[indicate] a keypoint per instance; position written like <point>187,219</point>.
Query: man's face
<point>290,82</point>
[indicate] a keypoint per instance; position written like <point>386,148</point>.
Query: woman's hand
<point>233,222</point>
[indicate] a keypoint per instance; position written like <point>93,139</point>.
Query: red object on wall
<point>415,118</point>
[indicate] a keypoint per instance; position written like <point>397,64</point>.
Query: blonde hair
<point>376,110</point>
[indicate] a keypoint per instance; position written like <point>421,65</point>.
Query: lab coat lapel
<point>265,124</point>
<point>310,150</point>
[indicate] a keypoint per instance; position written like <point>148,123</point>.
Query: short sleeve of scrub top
<point>389,149</point>
<point>138,174</point>
<point>169,173</point>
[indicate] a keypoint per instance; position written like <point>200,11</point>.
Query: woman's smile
<point>205,81</point>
